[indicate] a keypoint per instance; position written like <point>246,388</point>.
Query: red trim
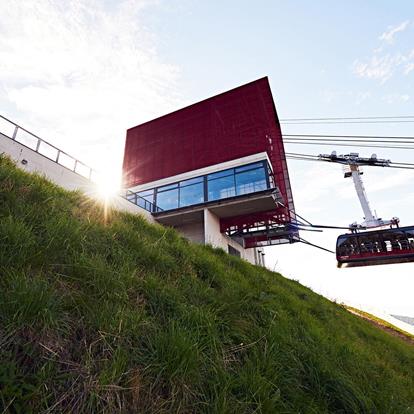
<point>258,221</point>
<point>280,215</point>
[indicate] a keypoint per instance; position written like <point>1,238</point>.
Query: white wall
<point>193,231</point>
<point>40,164</point>
<point>60,175</point>
<point>217,239</point>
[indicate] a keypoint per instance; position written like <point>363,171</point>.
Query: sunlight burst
<point>107,187</point>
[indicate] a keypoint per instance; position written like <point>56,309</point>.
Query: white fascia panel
<point>260,156</point>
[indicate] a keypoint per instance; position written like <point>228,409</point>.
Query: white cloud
<point>390,181</point>
<point>83,73</point>
<point>330,96</point>
<point>361,97</point>
<point>378,67</point>
<point>384,62</point>
<point>388,36</point>
<point>408,68</point>
<point>396,98</point>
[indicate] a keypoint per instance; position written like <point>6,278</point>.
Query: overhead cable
<point>347,136</point>
<point>399,119</point>
<point>350,145</point>
<point>309,157</point>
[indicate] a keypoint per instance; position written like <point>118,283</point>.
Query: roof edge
<point>264,78</point>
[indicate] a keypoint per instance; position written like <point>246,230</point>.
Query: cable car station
<point>216,171</point>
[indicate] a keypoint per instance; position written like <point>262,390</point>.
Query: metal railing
<point>26,138</point>
<point>142,202</point>
<point>15,132</point>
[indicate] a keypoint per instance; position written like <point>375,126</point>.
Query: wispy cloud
<point>388,181</point>
<point>378,67</point>
<point>83,72</point>
<point>384,67</point>
<point>330,96</point>
<point>396,98</point>
<point>385,62</point>
<point>388,35</point>
<point>408,68</point>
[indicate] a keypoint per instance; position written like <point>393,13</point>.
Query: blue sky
<point>79,74</point>
<point>308,49</point>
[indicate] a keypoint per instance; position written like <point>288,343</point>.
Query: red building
<point>225,155</point>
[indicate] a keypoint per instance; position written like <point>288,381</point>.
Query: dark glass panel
<point>396,240</point>
<point>251,181</point>
<point>130,197</point>
<point>167,187</point>
<point>347,245</point>
<point>371,243</point>
<point>219,174</point>
<point>141,202</point>
<point>409,232</point>
<point>146,192</point>
<point>191,194</point>
<point>221,188</point>
<point>192,181</point>
<point>167,200</point>
<point>147,195</point>
<point>249,167</point>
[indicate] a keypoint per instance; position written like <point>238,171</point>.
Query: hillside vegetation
<point>124,316</point>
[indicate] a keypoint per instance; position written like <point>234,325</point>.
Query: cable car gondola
<point>376,247</point>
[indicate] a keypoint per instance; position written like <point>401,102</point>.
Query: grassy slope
<point>382,323</point>
<point>130,317</point>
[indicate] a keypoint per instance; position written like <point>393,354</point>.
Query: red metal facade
<point>234,124</point>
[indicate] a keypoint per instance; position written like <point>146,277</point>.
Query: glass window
<point>347,245</point>
<point>130,197</point>
<point>410,238</point>
<point>219,174</point>
<point>191,194</point>
<point>371,243</point>
<point>221,188</point>
<point>167,200</point>
<point>168,187</point>
<point>146,192</point>
<point>192,181</point>
<point>249,167</point>
<point>251,181</point>
<point>147,195</point>
<point>141,202</point>
<point>396,240</point>
<point>222,184</point>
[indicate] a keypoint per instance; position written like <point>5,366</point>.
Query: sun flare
<point>107,187</point>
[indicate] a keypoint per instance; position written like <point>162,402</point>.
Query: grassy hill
<point>124,316</point>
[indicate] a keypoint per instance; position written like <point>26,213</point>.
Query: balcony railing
<point>15,132</point>
<point>26,138</point>
<point>142,202</point>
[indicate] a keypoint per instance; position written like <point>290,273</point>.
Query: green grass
<point>381,322</point>
<point>125,316</point>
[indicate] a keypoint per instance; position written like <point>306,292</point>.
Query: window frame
<point>207,178</point>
